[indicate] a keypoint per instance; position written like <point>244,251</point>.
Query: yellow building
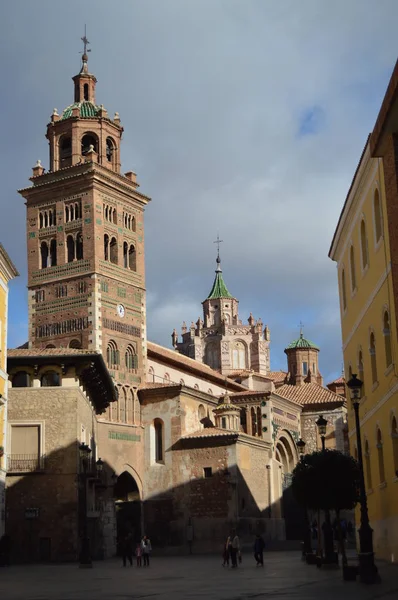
<point>7,272</point>
<point>361,248</point>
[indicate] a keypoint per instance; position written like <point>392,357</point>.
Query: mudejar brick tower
<point>85,237</point>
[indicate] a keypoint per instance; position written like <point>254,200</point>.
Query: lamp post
<point>367,568</point>
<point>85,553</point>
<point>321,423</point>
<point>307,548</point>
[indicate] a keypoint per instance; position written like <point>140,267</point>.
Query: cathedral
<point>108,431</point>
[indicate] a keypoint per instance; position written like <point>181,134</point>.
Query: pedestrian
<point>259,545</point>
<point>138,554</point>
<point>235,549</point>
<point>127,549</point>
<point>226,552</point>
<point>146,549</point>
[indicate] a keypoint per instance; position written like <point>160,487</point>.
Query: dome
<point>301,343</point>
<point>87,110</point>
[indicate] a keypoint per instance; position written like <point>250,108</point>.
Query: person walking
<point>226,552</point>
<point>146,550</point>
<point>259,545</point>
<point>127,549</point>
<point>235,549</point>
<point>138,554</point>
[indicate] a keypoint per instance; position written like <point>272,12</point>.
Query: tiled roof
<point>250,393</point>
<point>189,364</point>
<point>154,386</point>
<point>31,352</point>
<point>219,289</point>
<point>338,381</point>
<point>309,393</point>
<point>210,432</point>
<point>87,110</point>
<point>301,342</point>
<point>277,376</point>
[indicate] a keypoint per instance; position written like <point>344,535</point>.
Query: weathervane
<point>85,42</point>
<point>301,328</point>
<point>218,242</point>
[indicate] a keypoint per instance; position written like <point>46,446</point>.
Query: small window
<point>352,268</point>
<point>75,344</point>
<point>364,246</point>
<point>85,91</point>
<point>87,141</point>
<point>207,472</point>
<point>305,368</point>
<point>224,422</point>
<point>159,455</point>
<point>377,215</point>
<point>343,290</point>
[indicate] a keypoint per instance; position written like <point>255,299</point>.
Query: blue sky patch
<point>311,121</point>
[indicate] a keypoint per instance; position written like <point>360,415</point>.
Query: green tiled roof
<point>219,289</point>
<point>87,110</point>
<point>302,343</point>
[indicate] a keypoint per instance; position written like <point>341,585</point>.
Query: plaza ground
<point>284,576</point>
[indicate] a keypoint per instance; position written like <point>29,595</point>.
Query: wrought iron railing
<point>25,463</point>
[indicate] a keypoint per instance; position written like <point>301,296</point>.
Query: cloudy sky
<point>242,117</point>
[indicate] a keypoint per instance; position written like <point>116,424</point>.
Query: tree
<point>327,480</point>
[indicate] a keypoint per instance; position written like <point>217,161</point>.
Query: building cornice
<point>7,267</point>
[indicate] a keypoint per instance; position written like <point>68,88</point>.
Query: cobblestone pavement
<point>284,576</point>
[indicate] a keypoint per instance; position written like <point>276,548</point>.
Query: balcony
<point>25,463</point>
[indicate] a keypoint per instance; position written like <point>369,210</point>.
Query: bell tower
<point>85,238</point>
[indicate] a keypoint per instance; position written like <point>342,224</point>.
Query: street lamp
<point>367,568</point>
<point>321,423</point>
<point>85,554</point>
<point>307,547</point>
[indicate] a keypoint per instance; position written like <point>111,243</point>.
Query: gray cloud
<point>212,94</point>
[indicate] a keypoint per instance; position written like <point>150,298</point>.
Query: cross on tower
<point>85,42</point>
<point>218,242</point>
<point>301,328</point>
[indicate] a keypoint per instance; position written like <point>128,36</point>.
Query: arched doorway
<point>286,454</point>
<point>128,507</point>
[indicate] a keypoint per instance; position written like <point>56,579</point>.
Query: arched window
<point>377,215</point>
<point>79,246</point>
<point>210,391</point>
<point>182,382</point>
<point>72,212</point>
<point>110,149</point>
<point>132,258</point>
<point>122,406</point>
<point>159,449</point>
<point>66,214</point>
<point>352,268</point>
<point>201,412</point>
<point>212,355</point>
<point>125,255</point>
<point>89,140</point>
<point>65,150</point>
<point>75,344</point>
<point>361,372</point>
<point>132,224</point>
<point>113,251</point>
<point>373,363</point>
<point>70,247</point>
<point>380,456</point>
<point>254,421</point>
<point>106,247</point>
<point>394,437</point>
<point>112,355</point>
<point>238,356</point>
<point>196,387</point>
<point>53,253</point>
<point>387,338</point>
<point>166,378</point>
<point>343,290</point>
<point>130,407</point>
<point>130,358</point>
<point>364,246</point>
<point>21,379</point>
<point>44,255</point>
<point>50,379</point>
<point>50,346</point>
<point>151,375</point>
<point>85,91</point>
<point>40,220</point>
<point>367,466</point>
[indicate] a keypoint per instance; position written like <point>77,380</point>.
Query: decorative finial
<point>38,164</point>
<point>301,329</point>
<point>86,43</point>
<point>218,259</point>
